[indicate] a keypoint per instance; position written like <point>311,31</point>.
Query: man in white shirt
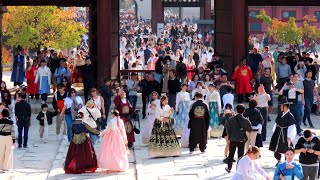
<point>228,98</point>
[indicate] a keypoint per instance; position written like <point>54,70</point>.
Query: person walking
<point>285,131</point>
<point>174,86</point>
<point>214,101</point>
<point>32,86</point>
<point>237,127</point>
<point>81,156</point>
<point>199,119</point>
<point>309,90</point>
<point>43,79</point>
<point>88,78</point>
<point>62,71</point>
<point>247,168</point>
<point>308,148</point>
<point>18,69</point>
<point>163,140</point>
<point>22,111</point>
<point>256,120</point>
<point>58,102</point>
<point>224,118</point>
<point>182,108</point>
<point>262,99</point>
<point>106,93</point>
<point>113,154</point>
<point>71,106</point>
<point>91,114</point>
<point>45,120</point>
<point>7,140</point>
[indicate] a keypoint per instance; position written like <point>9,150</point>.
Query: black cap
<point>63,60</point>
<point>284,100</point>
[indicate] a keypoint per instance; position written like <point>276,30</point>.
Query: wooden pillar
<point>205,11</point>
<point>1,13</point>
<point>107,40</point>
<point>231,31</point>
<point>240,30</point>
<point>157,14</point>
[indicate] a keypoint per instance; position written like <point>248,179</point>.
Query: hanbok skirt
<point>182,117</point>
<point>44,86</point>
<point>163,140</point>
<point>113,153</point>
<point>214,116</point>
<point>147,129</point>
<point>81,158</point>
<point>129,129</point>
<point>185,135</point>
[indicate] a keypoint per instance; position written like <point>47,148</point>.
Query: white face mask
<point>168,63</point>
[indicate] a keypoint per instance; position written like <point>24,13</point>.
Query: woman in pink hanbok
<point>113,154</point>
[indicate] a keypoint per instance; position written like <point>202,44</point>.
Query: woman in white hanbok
<point>152,111</point>
<point>248,169</point>
<point>182,109</point>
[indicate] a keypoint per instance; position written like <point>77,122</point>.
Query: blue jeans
<point>69,122</point>
<point>23,126</point>
<point>93,138</point>
<point>295,112</point>
<point>307,111</point>
<point>133,101</point>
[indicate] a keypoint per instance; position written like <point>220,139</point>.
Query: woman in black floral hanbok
<point>163,140</point>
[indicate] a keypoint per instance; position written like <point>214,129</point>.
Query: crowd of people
<point>188,95</point>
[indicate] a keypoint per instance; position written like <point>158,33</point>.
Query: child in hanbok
<point>288,169</point>
<point>163,140</point>
<point>113,154</point>
<point>32,87</point>
<point>182,109</point>
<point>43,79</point>
<point>152,110</point>
<point>248,169</point>
<point>81,157</point>
<point>214,103</point>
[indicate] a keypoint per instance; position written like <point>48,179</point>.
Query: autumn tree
<point>37,26</point>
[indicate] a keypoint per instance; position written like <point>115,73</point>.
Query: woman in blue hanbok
<point>18,68</point>
<point>214,102</point>
<point>43,78</point>
<point>182,109</point>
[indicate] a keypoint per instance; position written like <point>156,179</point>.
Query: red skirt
<point>129,129</point>
<point>81,158</point>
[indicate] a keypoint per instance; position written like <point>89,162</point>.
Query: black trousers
<point>202,146</point>
<point>144,105</point>
<point>104,121</point>
<point>264,113</point>
<point>44,97</point>
<point>17,83</point>
<point>87,87</point>
<point>277,156</point>
<point>232,149</point>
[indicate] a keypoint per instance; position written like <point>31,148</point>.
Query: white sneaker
<point>45,141</point>
<point>58,137</point>
<point>65,137</point>
<point>41,140</point>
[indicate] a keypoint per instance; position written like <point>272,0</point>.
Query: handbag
<point>68,111</point>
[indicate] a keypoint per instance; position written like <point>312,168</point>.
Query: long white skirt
<point>185,135</point>
<point>147,129</point>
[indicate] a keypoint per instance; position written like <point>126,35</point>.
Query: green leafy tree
<point>37,26</point>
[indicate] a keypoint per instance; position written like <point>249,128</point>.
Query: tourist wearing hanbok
<point>18,68</point>
<point>152,112</point>
<point>113,154</point>
<point>214,102</point>
<point>43,79</point>
<point>288,169</point>
<point>182,109</point>
<point>32,86</point>
<point>81,157</point>
<point>248,169</point>
<point>123,105</point>
<point>163,141</point>
<point>190,67</point>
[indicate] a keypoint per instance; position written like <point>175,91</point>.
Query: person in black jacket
<point>237,127</point>
<point>45,120</point>
<point>181,70</point>
<point>22,111</point>
<point>145,93</point>
<point>88,77</point>
<point>54,63</point>
<point>308,146</point>
<point>256,119</point>
<point>106,93</point>
<point>153,85</point>
<point>198,124</point>
<point>174,86</point>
